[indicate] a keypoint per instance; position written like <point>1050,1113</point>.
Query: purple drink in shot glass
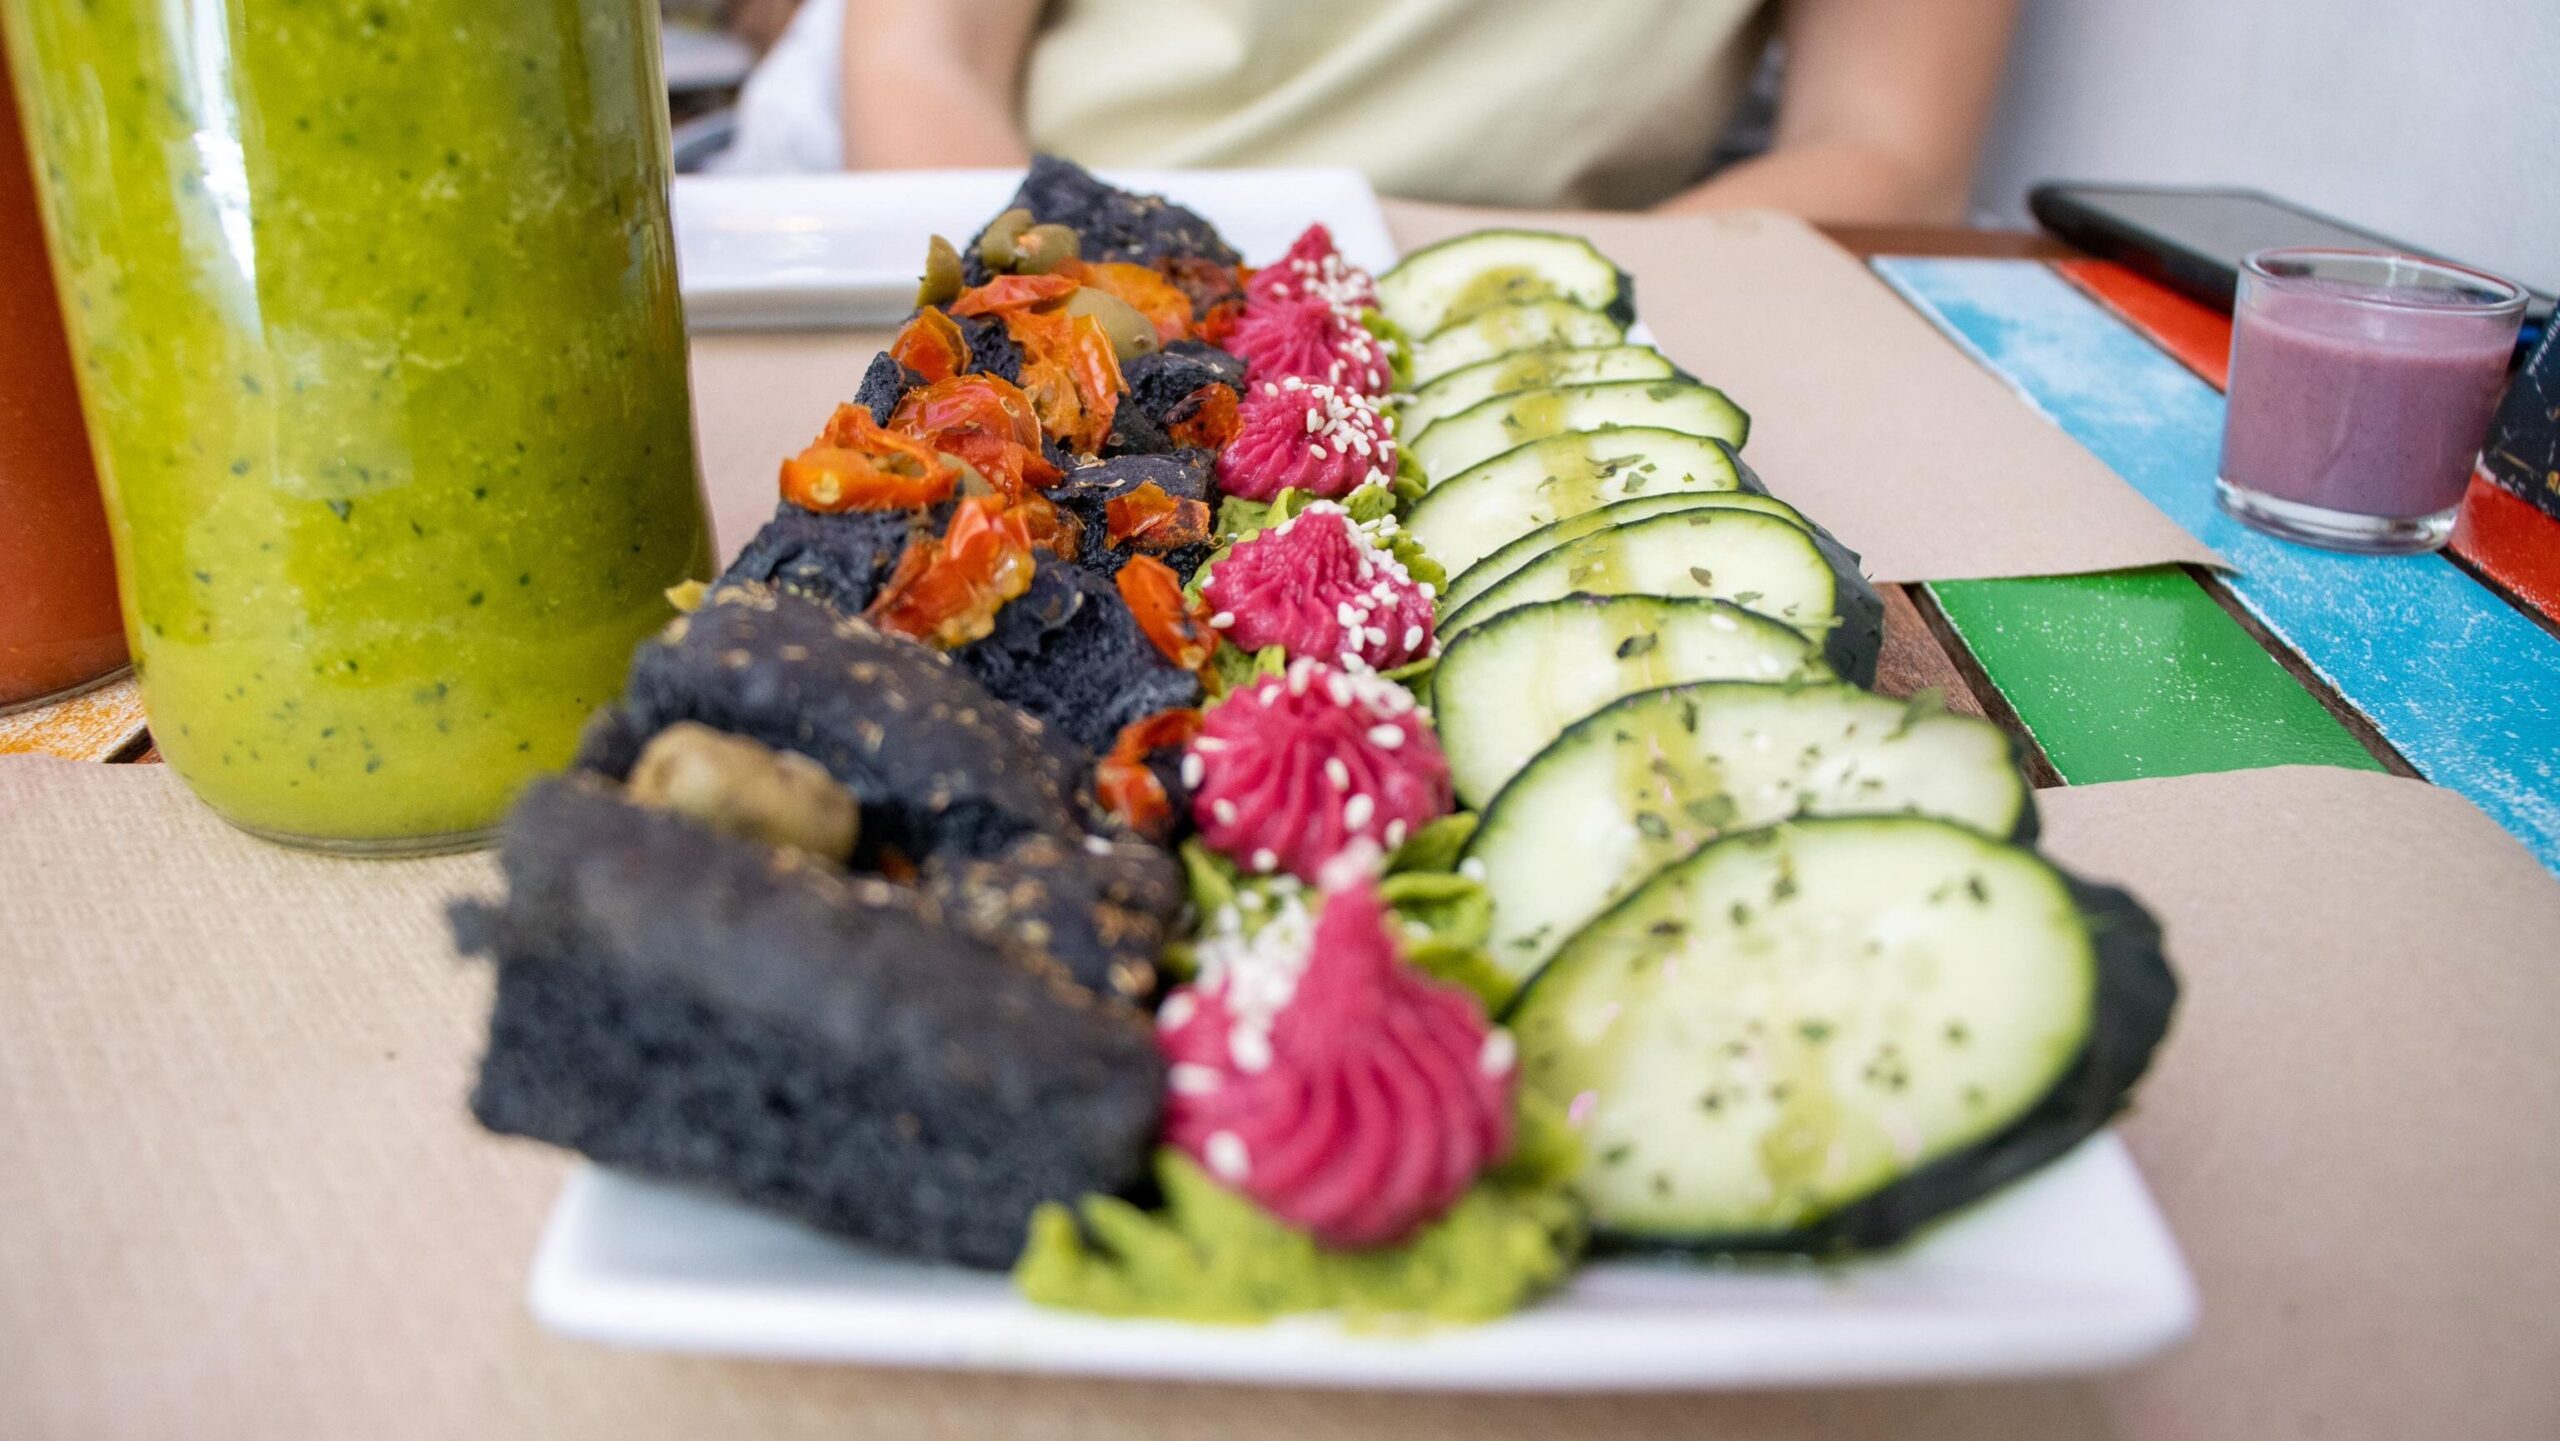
<point>2361,387</point>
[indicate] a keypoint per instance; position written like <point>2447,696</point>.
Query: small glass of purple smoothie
<point>2361,388</point>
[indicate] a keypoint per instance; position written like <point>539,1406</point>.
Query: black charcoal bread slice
<point>1134,432</point>
<point>935,759</point>
<point>1102,907</point>
<point>1110,223</point>
<point>841,559</point>
<point>699,1009</point>
<point>1069,652</point>
<point>992,348</point>
<point>1088,490</point>
<point>1162,379</point>
<point>884,383</point>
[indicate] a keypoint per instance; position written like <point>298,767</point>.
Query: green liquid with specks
<point>375,313</point>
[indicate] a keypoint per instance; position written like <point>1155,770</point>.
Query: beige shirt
<point>1612,103</point>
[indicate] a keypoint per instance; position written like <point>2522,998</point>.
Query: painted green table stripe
<point>2139,673</point>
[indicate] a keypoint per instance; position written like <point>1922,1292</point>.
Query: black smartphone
<point>2193,240</point>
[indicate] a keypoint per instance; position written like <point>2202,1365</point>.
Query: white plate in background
<point>831,251</point>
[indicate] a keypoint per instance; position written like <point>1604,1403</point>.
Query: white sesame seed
<point>1097,845</point>
<point>1499,1052</point>
<point>1472,868</point>
<point>1177,1011</point>
<point>1190,1078</point>
<point>1223,620</point>
<point>1209,745</point>
<point>1224,810</point>
<point>1337,773</point>
<point>1357,811</point>
<point>1265,860</point>
<point>1194,770</point>
<point>1226,1156</point>
<point>1413,637</point>
<point>1251,1047</point>
<point>1386,737</point>
<point>1395,833</point>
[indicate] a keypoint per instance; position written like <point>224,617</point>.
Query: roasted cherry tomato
<point>1125,784</point>
<point>1152,518</point>
<point>1207,418</point>
<point>1013,292</point>
<point>1179,630</point>
<point>857,465</point>
<point>946,592</point>
<point>985,420</point>
<point>1146,291</point>
<point>931,345</point>
<point>985,402</point>
<point>1073,378</point>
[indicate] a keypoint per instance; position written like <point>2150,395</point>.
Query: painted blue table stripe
<point>2466,687</point>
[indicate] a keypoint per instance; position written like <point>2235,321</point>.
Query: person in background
<point>1607,104</point>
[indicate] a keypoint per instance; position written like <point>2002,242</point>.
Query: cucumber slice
<point>1480,577</point>
<point>1759,561</point>
<point>1489,427</point>
<point>1529,370</point>
<point>1505,329</point>
<point>1646,780</point>
<point>1469,273</point>
<point>1508,687</point>
<point>1481,509</point>
<point>1823,1034</point>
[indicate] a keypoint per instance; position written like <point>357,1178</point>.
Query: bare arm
<point>1884,107</point>
<point>933,82</point>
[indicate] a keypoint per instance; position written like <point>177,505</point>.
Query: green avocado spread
<point>1206,1254</point>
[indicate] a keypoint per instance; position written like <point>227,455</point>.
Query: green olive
<point>735,784</point>
<point>995,247</point>
<point>1132,334</point>
<point>942,279</point>
<point>1043,248</point>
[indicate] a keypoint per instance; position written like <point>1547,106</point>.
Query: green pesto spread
<point>375,317</point>
<point>1206,1254</point>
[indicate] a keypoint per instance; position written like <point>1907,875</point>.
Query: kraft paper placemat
<point>1862,415</point>
<point>240,1197</point>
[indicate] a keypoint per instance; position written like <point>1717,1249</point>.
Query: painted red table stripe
<point>2515,546</point>
<point>2198,335</point>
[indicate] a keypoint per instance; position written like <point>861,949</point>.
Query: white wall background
<point>2436,121</point>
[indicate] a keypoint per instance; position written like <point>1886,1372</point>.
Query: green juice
<point>375,315</point>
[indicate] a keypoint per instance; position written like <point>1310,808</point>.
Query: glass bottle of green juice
<point>375,314</point>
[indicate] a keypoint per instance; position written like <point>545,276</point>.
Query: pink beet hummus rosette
<point>1315,1072</point>
<point>1295,770</point>
<point>1318,585</point>
<point>1314,270</point>
<point>1311,340</point>
<point>1306,435</point>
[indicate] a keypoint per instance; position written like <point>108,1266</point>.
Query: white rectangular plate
<point>808,252</point>
<point>2070,1271</point>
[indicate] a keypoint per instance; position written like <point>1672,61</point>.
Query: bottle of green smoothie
<point>375,313</point>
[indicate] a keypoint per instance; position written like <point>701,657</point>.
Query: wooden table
<point>298,1233</point>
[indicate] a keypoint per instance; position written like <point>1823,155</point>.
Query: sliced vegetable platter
<point>1812,1044</point>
